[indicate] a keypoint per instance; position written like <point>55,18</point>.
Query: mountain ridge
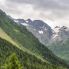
<point>43,31</point>
<point>57,40</point>
<point>22,36</point>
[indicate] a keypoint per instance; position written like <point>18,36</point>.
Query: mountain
<point>44,32</point>
<point>15,38</point>
<point>39,29</point>
<point>61,49</point>
<point>55,39</point>
<point>60,33</point>
<point>27,60</point>
<point>60,42</point>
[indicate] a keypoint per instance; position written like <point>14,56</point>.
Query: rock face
<point>60,33</point>
<point>39,29</point>
<point>57,39</point>
<point>44,32</point>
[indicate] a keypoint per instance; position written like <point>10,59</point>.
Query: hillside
<point>22,40</point>
<point>61,49</point>
<point>56,39</point>
<point>27,60</point>
<point>38,28</point>
<point>60,42</point>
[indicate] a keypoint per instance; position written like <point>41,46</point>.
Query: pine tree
<point>12,62</point>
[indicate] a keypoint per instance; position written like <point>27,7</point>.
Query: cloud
<point>44,4</point>
<point>58,8</point>
<point>54,11</point>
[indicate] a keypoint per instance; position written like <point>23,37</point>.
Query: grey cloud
<point>55,10</point>
<point>44,4</point>
<point>59,8</point>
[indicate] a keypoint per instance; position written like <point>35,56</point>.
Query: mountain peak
<point>61,33</point>
<point>57,27</point>
<point>64,28</point>
<point>40,29</point>
<point>29,21</point>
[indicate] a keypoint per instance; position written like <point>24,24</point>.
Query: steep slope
<point>5,36</point>
<point>27,60</point>
<point>60,42</point>
<point>57,38</point>
<point>61,49</point>
<point>38,28</point>
<point>60,33</point>
<point>25,40</point>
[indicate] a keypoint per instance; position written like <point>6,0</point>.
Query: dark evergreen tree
<point>12,62</point>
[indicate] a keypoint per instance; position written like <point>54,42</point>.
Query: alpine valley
<point>27,44</point>
<point>57,39</point>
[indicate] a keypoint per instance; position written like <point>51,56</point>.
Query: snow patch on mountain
<point>16,21</point>
<point>24,24</point>
<point>43,31</point>
<point>40,32</point>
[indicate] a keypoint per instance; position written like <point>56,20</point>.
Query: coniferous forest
<point>19,49</point>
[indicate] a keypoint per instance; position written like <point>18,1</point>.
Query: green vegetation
<point>29,52</point>
<point>25,40</point>
<point>12,63</point>
<point>61,49</point>
<point>28,61</point>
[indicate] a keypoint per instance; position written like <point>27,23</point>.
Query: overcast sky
<point>54,12</point>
